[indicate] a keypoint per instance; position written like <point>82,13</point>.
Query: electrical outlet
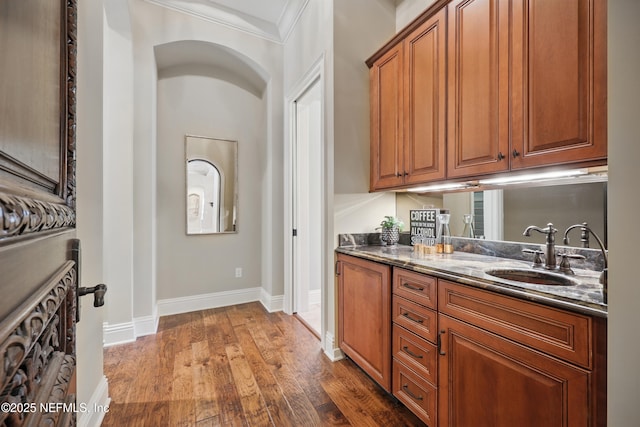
<point>238,272</point>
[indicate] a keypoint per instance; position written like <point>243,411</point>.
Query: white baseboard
<point>97,406</point>
<point>146,325</point>
<point>315,297</point>
<point>119,333</point>
<point>333,353</point>
<point>202,302</point>
<point>271,303</point>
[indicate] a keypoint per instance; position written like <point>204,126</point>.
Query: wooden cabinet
<point>486,380</point>
<point>364,315</point>
<point>387,143</point>
<point>559,81</point>
<point>408,109</point>
<point>527,84</point>
<point>507,362</point>
<point>525,87</point>
<point>478,96</point>
<point>415,355</point>
<point>457,355</point>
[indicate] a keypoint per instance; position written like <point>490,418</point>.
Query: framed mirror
<point>211,202</point>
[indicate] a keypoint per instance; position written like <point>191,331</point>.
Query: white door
<point>307,206</point>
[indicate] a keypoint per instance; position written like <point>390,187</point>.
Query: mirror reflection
<point>211,190</point>
<point>504,214</point>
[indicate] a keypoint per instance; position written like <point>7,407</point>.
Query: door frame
<point>314,75</point>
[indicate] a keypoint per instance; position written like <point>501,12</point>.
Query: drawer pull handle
<point>410,393</point>
<point>440,352</point>
<point>410,353</point>
<point>413,288</point>
<point>411,318</point>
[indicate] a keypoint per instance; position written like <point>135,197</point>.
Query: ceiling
<point>269,19</point>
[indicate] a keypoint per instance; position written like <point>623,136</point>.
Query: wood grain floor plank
<point>280,411</point>
<point>206,406</point>
<point>251,399</point>
<point>225,392</point>
<point>182,409</point>
<point>240,366</point>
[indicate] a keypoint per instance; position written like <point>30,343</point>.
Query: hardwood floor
<point>240,366</point>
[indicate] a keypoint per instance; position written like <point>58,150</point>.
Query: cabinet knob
<point>515,153</point>
<point>500,156</point>
<point>398,174</point>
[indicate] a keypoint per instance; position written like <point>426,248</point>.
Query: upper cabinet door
<point>478,80</point>
<point>559,82</point>
<point>425,101</point>
<point>385,75</point>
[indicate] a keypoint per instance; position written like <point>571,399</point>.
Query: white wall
<point>91,383</point>
<point>307,55</point>
<point>118,161</point>
<point>624,205</point>
<point>355,209</point>
<point>152,26</point>
<point>408,10</point>
<point>335,32</point>
<point>201,264</point>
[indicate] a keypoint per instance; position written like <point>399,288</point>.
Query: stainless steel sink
<point>536,277</point>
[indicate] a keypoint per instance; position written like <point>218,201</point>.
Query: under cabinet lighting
<point>533,177</point>
<point>438,187</point>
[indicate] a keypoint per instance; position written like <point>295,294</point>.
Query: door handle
<point>98,291</point>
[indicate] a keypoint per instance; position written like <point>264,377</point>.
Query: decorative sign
<point>424,224</point>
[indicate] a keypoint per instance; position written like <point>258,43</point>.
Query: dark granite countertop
<point>469,268</point>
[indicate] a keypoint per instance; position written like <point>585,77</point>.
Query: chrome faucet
<point>550,252</point>
<point>605,271</point>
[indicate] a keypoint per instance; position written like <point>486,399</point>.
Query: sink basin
<point>536,277</point>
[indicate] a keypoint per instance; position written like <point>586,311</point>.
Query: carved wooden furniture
<point>39,275</point>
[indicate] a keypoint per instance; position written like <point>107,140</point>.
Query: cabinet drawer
<point>417,394</point>
<point>415,352</point>
<point>416,287</point>
<point>416,318</point>
<point>556,332</point>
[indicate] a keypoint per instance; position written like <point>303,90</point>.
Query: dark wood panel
<point>20,279</point>
<point>37,95</point>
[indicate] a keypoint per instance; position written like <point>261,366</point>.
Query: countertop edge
<point>495,286</point>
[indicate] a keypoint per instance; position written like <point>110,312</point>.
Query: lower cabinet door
<point>417,394</point>
<point>487,380</point>
<point>364,316</point>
